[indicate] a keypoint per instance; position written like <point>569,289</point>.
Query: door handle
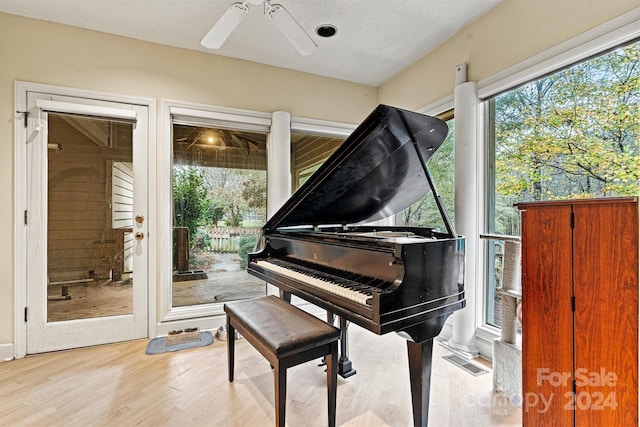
<point>139,235</point>
<point>139,219</point>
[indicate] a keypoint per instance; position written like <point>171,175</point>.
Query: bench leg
<point>332,383</point>
<point>231,344</point>
<point>280,381</point>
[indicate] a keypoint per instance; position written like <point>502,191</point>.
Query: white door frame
<point>20,198</point>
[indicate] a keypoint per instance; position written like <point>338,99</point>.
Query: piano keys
<point>346,286</point>
<point>406,280</point>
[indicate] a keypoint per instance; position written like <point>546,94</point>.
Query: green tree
<point>573,134</point>
<point>190,202</point>
<point>246,245</point>
<point>425,213</point>
<point>254,190</point>
<point>236,191</point>
<point>213,212</point>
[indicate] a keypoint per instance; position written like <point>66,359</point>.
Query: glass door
<point>87,223</point>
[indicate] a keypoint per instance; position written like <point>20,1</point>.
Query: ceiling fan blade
<point>225,25</point>
<point>292,29</point>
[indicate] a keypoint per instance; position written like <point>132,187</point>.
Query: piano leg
<point>345,370</point>
<point>420,354</point>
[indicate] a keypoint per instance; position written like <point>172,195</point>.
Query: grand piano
<point>384,278</point>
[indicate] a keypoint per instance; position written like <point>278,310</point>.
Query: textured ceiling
<point>376,39</point>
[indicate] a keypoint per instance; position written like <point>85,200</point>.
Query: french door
<point>87,222</point>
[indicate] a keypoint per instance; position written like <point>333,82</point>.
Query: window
<point>308,154</point>
<point>571,134</point>
<point>425,213</point>
<point>219,185</point>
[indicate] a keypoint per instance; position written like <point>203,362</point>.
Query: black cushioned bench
<point>286,336</point>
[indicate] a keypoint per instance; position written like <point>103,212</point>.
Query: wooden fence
<point>227,239</point>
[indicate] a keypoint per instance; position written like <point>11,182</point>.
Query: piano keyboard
<point>349,289</point>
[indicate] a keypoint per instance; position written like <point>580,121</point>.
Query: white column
<point>278,167</point>
<point>278,162</point>
<point>467,196</point>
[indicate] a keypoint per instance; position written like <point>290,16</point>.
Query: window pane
<point>90,215</point>
<point>573,134</point>
<point>308,154</point>
<point>425,213</point>
<point>219,207</point>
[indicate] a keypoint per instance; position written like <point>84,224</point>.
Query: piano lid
<point>375,173</point>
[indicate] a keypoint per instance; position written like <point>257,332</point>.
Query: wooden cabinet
<point>580,312</point>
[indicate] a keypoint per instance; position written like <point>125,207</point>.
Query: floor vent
<point>471,368</point>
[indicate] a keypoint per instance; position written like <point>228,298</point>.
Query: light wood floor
<point>118,385</point>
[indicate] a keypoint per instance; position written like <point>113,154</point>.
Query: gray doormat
<point>159,345</point>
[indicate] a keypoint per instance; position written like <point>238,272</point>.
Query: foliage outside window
<point>425,213</point>
<point>572,134</point>
<point>219,206</point>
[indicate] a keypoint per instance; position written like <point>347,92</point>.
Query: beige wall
<point>510,33</point>
<point>41,52</point>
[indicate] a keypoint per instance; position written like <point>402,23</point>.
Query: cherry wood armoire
<point>580,312</point>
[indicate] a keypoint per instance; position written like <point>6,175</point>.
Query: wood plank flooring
<point>119,385</point>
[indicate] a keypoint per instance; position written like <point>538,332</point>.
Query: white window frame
<point>205,316</point>
<point>177,112</point>
<point>321,127</point>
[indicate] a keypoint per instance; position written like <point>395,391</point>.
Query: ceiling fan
<point>292,30</point>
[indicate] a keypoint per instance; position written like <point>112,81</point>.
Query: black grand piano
<point>384,278</point>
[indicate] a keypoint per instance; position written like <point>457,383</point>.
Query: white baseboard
<point>204,324</point>
<point>212,323</point>
<point>6,352</point>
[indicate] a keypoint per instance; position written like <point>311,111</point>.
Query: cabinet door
<point>606,316</point>
<point>547,329</point>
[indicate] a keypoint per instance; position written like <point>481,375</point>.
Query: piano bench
<point>286,336</point>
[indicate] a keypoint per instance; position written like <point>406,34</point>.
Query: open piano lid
<point>375,173</point>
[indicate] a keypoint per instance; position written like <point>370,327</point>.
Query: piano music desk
<point>286,336</point>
